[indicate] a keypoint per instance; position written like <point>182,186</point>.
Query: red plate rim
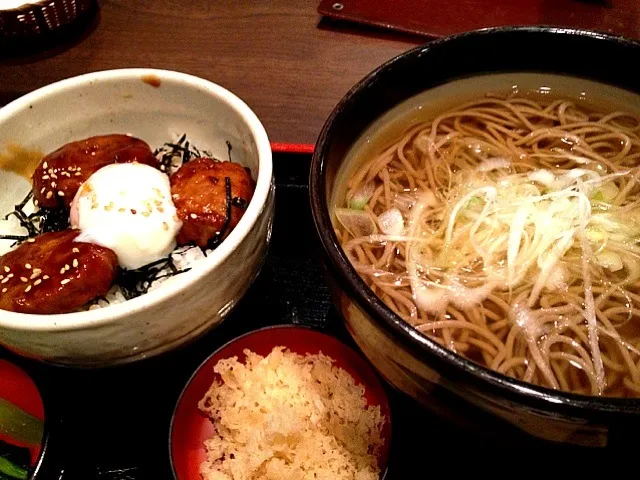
<point>306,148</point>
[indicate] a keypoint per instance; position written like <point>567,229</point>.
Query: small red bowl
<point>190,427</point>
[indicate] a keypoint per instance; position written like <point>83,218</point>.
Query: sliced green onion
<point>610,260</point>
<point>357,222</point>
<point>362,196</point>
<point>391,222</point>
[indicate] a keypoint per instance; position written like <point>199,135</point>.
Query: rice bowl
<point>122,101</point>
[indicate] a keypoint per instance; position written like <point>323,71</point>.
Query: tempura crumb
<point>289,417</point>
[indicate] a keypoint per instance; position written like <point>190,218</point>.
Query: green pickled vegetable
<point>10,470</point>
<point>19,425</point>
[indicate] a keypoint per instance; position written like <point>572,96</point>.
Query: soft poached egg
<point>127,207</point>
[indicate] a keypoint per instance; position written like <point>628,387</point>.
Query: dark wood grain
<point>271,53</point>
<point>446,17</point>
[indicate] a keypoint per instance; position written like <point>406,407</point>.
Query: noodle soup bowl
<point>437,76</point>
<point>156,106</point>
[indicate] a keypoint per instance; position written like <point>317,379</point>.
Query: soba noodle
<point>508,230</point>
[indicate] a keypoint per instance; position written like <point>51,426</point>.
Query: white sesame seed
<point>27,266</point>
<point>46,277</point>
<point>45,177</point>
<point>24,279</point>
<point>27,289</point>
<point>42,190</point>
<point>67,267</point>
<point>10,275</point>
<point>62,270</point>
<point>75,250</point>
<point>7,269</point>
<point>77,174</point>
<point>1,277</point>
<point>4,290</point>
<point>37,282</point>
<point>49,195</point>
<point>45,165</point>
<point>65,281</point>
<point>53,175</point>
<point>61,193</point>
<point>75,263</point>
<point>5,280</point>
<point>193,215</point>
<point>31,240</point>
<point>34,275</point>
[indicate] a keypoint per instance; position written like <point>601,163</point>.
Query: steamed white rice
<point>183,258</point>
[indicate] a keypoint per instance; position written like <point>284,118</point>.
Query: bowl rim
<point>420,345</point>
<point>283,326</point>
<point>93,318</point>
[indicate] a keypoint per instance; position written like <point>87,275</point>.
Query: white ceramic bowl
<point>153,105</point>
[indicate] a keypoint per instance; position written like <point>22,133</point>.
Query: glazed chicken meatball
<point>54,274</point>
<point>211,197</point>
<point>60,174</point>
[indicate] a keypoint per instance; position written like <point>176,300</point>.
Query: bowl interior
<point>190,427</point>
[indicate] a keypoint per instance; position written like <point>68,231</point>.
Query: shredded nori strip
<point>172,155</point>
<point>186,156</point>
<point>134,283</point>
<point>41,221</point>
<point>239,202</point>
<point>19,238</point>
<point>24,201</point>
<point>215,241</point>
<point>22,217</point>
<point>52,219</point>
<point>229,148</point>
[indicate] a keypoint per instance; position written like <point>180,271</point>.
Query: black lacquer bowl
<point>409,360</point>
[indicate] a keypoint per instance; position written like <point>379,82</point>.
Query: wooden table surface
<point>288,64</point>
